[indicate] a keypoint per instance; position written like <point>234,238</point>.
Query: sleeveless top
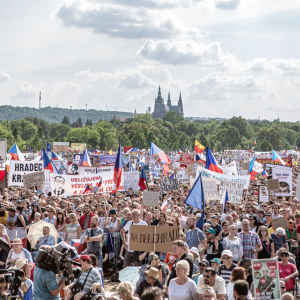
<point>113,225</point>
<point>72,232</point>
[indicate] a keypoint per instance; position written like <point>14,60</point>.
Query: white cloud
<point>227,4</point>
<point>186,53</point>
<point>4,76</point>
<point>25,90</point>
<point>123,21</point>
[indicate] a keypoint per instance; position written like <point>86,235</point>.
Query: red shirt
<point>285,271</point>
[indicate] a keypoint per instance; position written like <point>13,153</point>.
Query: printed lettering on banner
<point>131,180</point>
<point>150,198</point>
<point>18,168</point>
<point>169,184</point>
<point>285,177</point>
<point>234,189</point>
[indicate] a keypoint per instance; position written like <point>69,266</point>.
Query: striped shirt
<point>226,273</point>
<point>93,277</point>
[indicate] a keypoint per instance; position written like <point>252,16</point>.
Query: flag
<point>264,174</point>
<point>164,206</point>
<point>131,168</point>
<point>222,163</point>
<point>85,160</point>
<point>48,147</point>
<point>87,189</point>
<point>118,171</point>
<point>97,151</point>
<point>69,149</point>
<point>224,199</point>
<point>211,163</point>
<point>28,148</point>
<point>172,176</point>
<point>198,147</point>
<point>252,172</point>
<point>99,184</point>
<point>277,158</point>
<point>166,169</point>
<point>54,156</point>
<point>142,181</point>
<point>196,199</point>
<point>110,246</point>
<point>133,149</point>
<point>110,152</point>
<point>28,295</point>
<point>48,165</point>
<point>15,153</point>
<point>154,150</point>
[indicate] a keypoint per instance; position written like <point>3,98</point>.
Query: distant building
<point>160,108</point>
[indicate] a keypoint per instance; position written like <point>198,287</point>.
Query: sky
<point>226,57</point>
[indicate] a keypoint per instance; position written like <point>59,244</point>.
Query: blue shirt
<point>44,283</point>
<point>50,241</point>
<point>194,237</point>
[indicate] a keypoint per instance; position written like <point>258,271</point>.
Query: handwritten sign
<point>150,198</point>
<point>210,188</point>
<point>280,222</point>
<point>33,179</point>
<point>234,189</point>
<point>131,180</point>
<point>169,184</point>
<point>153,238</point>
<point>263,195</point>
<point>273,185</point>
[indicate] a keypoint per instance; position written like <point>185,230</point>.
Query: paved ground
<point>110,287</point>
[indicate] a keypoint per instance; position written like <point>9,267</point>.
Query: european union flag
<point>196,199</point>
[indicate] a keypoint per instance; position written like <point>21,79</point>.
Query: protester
<point>234,244</point>
<point>238,273</point>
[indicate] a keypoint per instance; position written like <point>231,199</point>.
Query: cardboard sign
<point>131,180</point>
<point>280,222</point>
<point>80,146</point>
<point>33,179</point>
<point>245,165</point>
<point>47,187</point>
<point>266,279</point>
<point>234,189</point>
<point>263,194</point>
<point>2,150</point>
<point>169,184</point>
<point>285,177</point>
<point>273,185</point>
<point>150,198</point>
<point>186,158</point>
<point>298,188</point>
<point>153,238</point>
<point>18,168</point>
<point>210,189</point>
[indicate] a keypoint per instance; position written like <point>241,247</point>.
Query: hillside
<point>55,115</point>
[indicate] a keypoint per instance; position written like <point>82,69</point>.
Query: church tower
<point>159,98</point>
<point>180,103</point>
<point>169,100</point>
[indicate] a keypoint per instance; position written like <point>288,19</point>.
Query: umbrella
<point>130,274</point>
<point>36,231</point>
<point>4,245</point>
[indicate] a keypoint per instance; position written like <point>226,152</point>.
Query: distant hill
<point>55,115</point>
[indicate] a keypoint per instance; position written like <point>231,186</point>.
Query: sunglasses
<point>207,276</point>
<point>282,287</point>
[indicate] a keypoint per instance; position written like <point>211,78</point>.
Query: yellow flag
<point>198,147</point>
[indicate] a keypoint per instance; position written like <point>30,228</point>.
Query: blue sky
<point>227,57</point>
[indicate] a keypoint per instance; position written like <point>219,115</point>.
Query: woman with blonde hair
<point>126,290</point>
<point>52,215</point>
<point>268,250</point>
<point>182,287</point>
<point>73,229</point>
<point>238,273</point>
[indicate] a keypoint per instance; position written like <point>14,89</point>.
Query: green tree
<point>35,142</point>
<point>240,124</point>
<point>93,138</point>
<point>61,128</point>
<point>139,140</point>
<point>265,145</point>
<point>173,117</point>
<point>66,121</point>
<point>28,130</point>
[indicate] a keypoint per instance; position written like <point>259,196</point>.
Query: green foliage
<point>173,117</point>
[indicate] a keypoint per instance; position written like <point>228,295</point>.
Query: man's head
<point>179,248</point>
<point>87,209</point>
<point>245,225</point>
<point>152,275</point>
<point>152,293</point>
<point>191,222</point>
<point>209,276</point>
<point>135,215</point>
<point>85,262</point>
<point>203,265</point>
<point>94,222</point>
<point>240,288</point>
<point>210,234</point>
<point>209,294</point>
<point>46,230</point>
<point>11,212</point>
<point>287,296</point>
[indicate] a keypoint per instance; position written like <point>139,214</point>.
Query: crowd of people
<point>213,262</point>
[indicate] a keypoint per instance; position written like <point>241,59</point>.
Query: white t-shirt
<point>15,256</point>
<point>187,291</point>
<point>127,228</point>
<point>219,286</point>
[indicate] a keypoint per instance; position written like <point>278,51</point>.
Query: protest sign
<point>210,174</point>
<point>108,160</point>
<point>154,171</point>
<point>33,179</point>
<point>288,160</point>
<point>230,169</point>
<point>234,189</point>
<point>266,279</point>
<point>210,189</point>
<point>182,177</point>
<point>76,146</point>
<point>131,180</point>
<point>47,187</point>
<point>3,176</point>
<point>18,168</point>
<point>87,170</point>
<point>176,164</point>
<point>60,146</point>
<point>279,222</point>
<point>2,150</point>
<point>263,194</point>
<point>126,158</point>
<point>273,185</point>
<point>186,158</point>
<point>153,238</point>
<point>285,177</point>
<point>150,198</point>
<point>67,185</point>
<point>61,166</point>
<point>245,165</point>
<point>147,173</point>
<point>73,169</point>
<point>169,184</point>
<point>298,188</point>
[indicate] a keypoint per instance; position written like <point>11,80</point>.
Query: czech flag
<point>28,148</point>
<point>15,153</point>
<point>277,158</point>
<point>211,163</point>
<point>54,156</point>
<point>87,189</point>
<point>154,150</point>
<point>198,147</point>
<point>99,184</point>
<point>265,174</point>
<point>118,171</point>
<point>97,151</point>
<point>69,149</point>
<point>85,160</point>
<point>48,165</point>
<point>164,206</point>
<point>48,147</point>
<point>224,199</point>
<point>251,168</point>
<point>142,181</point>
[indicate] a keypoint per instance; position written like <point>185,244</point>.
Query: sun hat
<point>153,272</point>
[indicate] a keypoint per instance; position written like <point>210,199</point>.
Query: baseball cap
<point>195,250</point>
<point>216,260</point>
<point>204,262</point>
<point>227,252</point>
<point>215,217</point>
<point>84,257</point>
<point>211,230</point>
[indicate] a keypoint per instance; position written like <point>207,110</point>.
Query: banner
<point>298,187</point>
<point>108,160</point>
<point>3,150</point>
<point>61,166</point>
<point>18,168</point>
<point>230,169</point>
<point>68,185</point>
<point>266,279</point>
<point>234,189</point>
<point>150,198</point>
<point>285,177</point>
<point>147,173</point>
<point>154,171</point>
<point>131,180</point>
<point>263,194</point>
<point>186,158</point>
<point>210,174</point>
<point>169,185</point>
<point>126,158</point>
<point>288,160</point>
<point>80,146</point>
<point>153,238</point>
<point>33,179</point>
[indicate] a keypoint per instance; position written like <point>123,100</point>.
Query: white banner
<point>234,189</point>
<point>2,150</point>
<point>131,180</point>
<point>210,174</point>
<point>230,169</point>
<point>154,171</point>
<point>285,177</point>
<point>18,168</point>
<point>61,166</point>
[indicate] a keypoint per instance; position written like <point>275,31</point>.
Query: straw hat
<point>152,272</point>
<point>17,241</point>
<point>20,263</point>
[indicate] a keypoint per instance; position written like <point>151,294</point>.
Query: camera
<point>13,276</point>
<point>56,261</point>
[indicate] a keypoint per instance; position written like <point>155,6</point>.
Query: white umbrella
<point>36,231</point>
<point>130,274</point>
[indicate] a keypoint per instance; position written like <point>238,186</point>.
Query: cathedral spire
<point>180,103</point>
<point>169,100</point>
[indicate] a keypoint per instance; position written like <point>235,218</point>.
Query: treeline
<point>171,133</point>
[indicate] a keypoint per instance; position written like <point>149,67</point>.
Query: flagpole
<point>154,234</point>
